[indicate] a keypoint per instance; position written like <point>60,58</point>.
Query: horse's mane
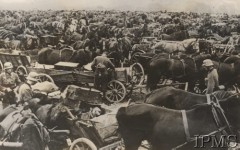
<point>223,102</point>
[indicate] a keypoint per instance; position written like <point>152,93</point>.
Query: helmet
<point>207,63</point>
<point>8,65</point>
<point>33,76</point>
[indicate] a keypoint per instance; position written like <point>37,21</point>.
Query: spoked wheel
<point>116,91</point>
<point>44,77</point>
<point>82,144</point>
<point>22,72</point>
<point>137,74</point>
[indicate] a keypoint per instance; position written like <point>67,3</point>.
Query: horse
<point>183,70</point>
<point>25,128</point>
<point>119,49</point>
<point>176,36</point>
<point>51,56</point>
<point>166,129</point>
<point>173,98</point>
<point>186,46</point>
<point>234,61</point>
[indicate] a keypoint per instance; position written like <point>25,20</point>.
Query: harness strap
<point>194,139</point>
<point>184,66</point>
<point>60,55</point>
<point>195,65</point>
<point>185,124</point>
<point>217,105</point>
<point>208,99</point>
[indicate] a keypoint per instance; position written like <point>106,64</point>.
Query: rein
<point>216,112</point>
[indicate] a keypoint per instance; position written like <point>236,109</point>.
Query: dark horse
<point>173,98</point>
<point>164,128</point>
<point>235,62</point>
<point>51,56</point>
<point>176,36</point>
<point>184,70</point>
<point>19,126</point>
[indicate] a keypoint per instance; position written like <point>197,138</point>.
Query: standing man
<point>103,67</point>
<point>8,81</point>
<point>212,77</point>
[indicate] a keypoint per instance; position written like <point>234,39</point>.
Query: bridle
<point>217,112</point>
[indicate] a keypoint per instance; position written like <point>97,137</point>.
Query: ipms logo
<point>222,141</point>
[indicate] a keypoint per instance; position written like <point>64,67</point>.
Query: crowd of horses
<point>175,53</point>
<point>172,119</point>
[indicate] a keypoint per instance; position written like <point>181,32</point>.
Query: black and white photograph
<point>119,74</point>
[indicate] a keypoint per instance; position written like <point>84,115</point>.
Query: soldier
<point>25,92</point>
<point>8,81</point>
<point>212,77</point>
<point>102,66</point>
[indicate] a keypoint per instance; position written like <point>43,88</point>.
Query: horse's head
<point>190,45</point>
<point>231,107</point>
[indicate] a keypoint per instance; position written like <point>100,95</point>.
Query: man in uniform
<point>8,81</point>
<point>103,67</point>
<point>212,77</point>
<point>25,92</point>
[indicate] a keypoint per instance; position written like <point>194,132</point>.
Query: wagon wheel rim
<point>45,77</point>
<point>116,91</point>
<point>137,74</point>
<point>82,144</point>
<point>22,72</point>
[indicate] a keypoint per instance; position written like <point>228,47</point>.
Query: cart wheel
<point>137,74</point>
<point>44,77</point>
<point>116,91</point>
<point>134,57</point>
<point>82,144</point>
<point>22,72</point>
<point>1,66</point>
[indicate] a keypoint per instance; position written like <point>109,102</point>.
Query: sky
<point>213,6</point>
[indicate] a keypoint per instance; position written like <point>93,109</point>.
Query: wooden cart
<point>67,73</point>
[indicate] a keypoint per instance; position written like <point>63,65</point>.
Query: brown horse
<point>165,129</point>
<point>184,70</point>
<point>176,36</point>
<point>51,56</point>
<point>173,98</point>
<point>186,46</point>
<point>174,69</point>
<point>20,126</point>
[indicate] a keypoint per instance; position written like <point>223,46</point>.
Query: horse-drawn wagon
<point>65,73</point>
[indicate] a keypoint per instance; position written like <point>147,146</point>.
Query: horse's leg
<point>153,78</point>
